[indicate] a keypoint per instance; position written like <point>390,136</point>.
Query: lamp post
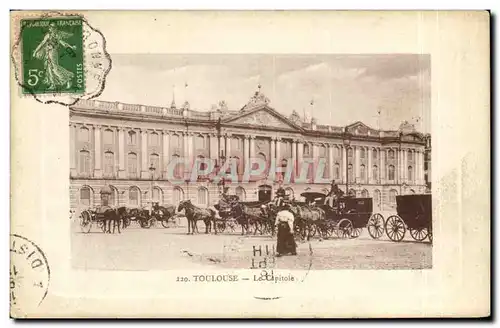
<point>400,164</point>
<point>347,144</point>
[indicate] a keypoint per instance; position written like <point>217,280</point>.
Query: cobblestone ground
<point>161,248</point>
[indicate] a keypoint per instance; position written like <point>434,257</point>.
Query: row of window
<point>236,144</point>
<point>134,196</point>
<point>154,161</point>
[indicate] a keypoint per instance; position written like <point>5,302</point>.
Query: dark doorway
<point>265,193</point>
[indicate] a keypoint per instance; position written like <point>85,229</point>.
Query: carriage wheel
<point>430,235</point>
<point>355,232</point>
<point>419,234</point>
<point>344,228</point>
<point>146,224</point>
<point>376,226</point>
<point>164,223</point>
<point>85,221</point>
<point>395,228</point>
<point>221,226</point>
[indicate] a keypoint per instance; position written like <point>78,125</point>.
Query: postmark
<point>59,58</point>
<point>29,274</point>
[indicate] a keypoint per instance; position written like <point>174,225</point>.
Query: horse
<point>194,214</point>
<point>163,213</point>
<point>306,217</point>
<point>115,216</point>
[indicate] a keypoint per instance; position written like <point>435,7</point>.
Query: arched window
<point>322,151</point>
<point>336,151</point>
<point>362,172</point>
<point>307,149</point>
<point>391,173</point>
<point>337,171</point>
<point>134,196</point>
<point>154,139</point>
<point>203,197</point>
<point>377,199</point>
<point>237,162</point>
<point>349,152</point>
<point>84,162</point>
<point>200,142</point>
<point>362,153</point>
<point>364,193</point>
<point>410,173</point>
<point>350,172</point>
<point>157,195</point>
<point>154,160</point>
<point>109,163</point>
<point>84,135</point>
<point>375,154</point>
<point>132,138</point>
<point>85,196</point>
<point>262,158</point>
<point>178,166</point>
<point>108,137</point>
<point>113,198</point>
<point>375,173</point>
<point>410,155</point>
<point>390,154</point>
<point>392,197</point>
<point>241,193</point>
<point>132,165</point>
<point>178,195</point>
<point>175,141</point>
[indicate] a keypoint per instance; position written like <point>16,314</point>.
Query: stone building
<point>128,148</point>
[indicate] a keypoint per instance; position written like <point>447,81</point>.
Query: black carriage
<point>414,214</point>
<point>90,217</point>
<point>347,216</point>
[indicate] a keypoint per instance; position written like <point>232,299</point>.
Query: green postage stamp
<point>52,55</point>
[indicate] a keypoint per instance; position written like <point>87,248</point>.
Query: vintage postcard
<point>204,164</point>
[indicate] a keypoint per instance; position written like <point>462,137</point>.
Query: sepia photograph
<point>216,160</point>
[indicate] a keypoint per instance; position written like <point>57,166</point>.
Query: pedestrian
<point>285,240</point>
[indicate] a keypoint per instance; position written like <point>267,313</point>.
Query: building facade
<point>129,148</point>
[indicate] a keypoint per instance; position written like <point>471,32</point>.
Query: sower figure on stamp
<point>285,241</point>
<point>48,51</point>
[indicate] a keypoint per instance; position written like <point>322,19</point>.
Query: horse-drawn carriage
<point>100,216</point>
<point>346,217</point>
<point>414,214</point>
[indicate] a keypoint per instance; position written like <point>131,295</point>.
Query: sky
<point>344,88</point>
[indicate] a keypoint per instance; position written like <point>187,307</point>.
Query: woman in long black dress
<point>285,241</point>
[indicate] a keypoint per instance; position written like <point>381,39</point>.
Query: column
<point>246,153</point>
<point>331,167</point>
<point>419,159</point>
<point>228,146</point>
<point>165,152</point>
<point>294,156</point>
<point>97,152</point>
<point>278,150</point>
<point>369,168</point>
<point>300,156</point>
<point>72,149</point>
<point>315,156</point>
<point>343,169</point>
<point>398,167</point>
<point>121,153</point>
<point>272,157</point>
<point>214,146</point>
<point>382,154</point>
<point>116,157</point>
<point>405,166</point>
<point>144,155</point>
<point>252,146</point>
<point>356,164</point>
